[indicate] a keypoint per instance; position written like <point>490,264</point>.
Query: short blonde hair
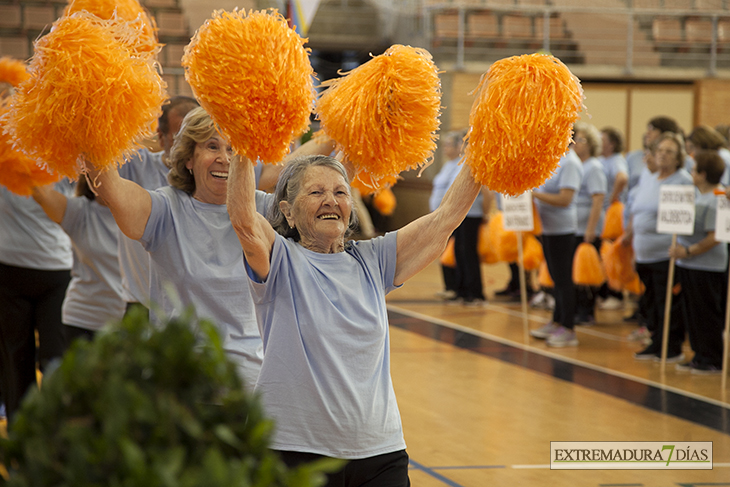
<point>197,127</point>
<point>592,135</point>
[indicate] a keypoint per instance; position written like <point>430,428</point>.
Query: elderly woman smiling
<point>320,305</point>
<point>193,249</point>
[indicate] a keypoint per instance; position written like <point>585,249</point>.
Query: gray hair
<point>288,186</point>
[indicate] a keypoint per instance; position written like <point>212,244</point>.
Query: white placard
<point>676,210</point>
<point>518,212</point>
<point>722,219</point>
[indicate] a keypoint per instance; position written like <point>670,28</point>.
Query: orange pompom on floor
<point>385,113</point>
<point>252,74</point>
<point>90,94</point>
<point>521,122</point>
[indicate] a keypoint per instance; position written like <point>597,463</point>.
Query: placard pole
<point>668,307</point>
<point>523,287</point>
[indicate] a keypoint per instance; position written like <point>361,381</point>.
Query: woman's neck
<point>706,187</point>
<point>323,247</point>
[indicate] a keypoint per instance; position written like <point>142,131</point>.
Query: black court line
<point>651,397</point>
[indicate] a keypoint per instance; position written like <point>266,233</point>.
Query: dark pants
<point>30,302</point>
<point>388,470</point>
<point>655,276</point>
<point>703,313</point>
<point>585,296</point>
<point>73,333</point>
<point>558,250</point>
<point>468,266</point>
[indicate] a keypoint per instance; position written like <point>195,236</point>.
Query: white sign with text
<point>676,210</point>
<point>518,213</point>
<point>722,219</point>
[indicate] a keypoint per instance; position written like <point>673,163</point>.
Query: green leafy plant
<point>147,406</point>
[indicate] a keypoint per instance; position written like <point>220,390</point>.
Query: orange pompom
<point>587,269</point>
<point>12,71</point>
<point>636,287</point>
<point>507,246</point>
<point>543,276</point>
<point>18,172</point>
<point>521,122</point>
<point>252,74</point>
<point>384,114</point>
<point>485,246</point>
<point>384,201</point>
<point>624,261</point>
<point>532,254</point>
<point>448,257</point>
<point>125,10</point>
<point>364,183</point>
<point>609,266</point>
<point>90,94</point>
<point>613,226</point>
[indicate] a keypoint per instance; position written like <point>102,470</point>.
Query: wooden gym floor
<point>480,407</point>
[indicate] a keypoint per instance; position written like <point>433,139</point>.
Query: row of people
<point>192,246</point>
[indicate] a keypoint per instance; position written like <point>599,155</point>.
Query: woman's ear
<point>285,208</point>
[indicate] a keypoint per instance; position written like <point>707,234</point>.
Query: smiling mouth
<point>219,175</point>
<point>329,216</point>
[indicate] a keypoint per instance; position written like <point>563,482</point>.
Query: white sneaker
<point>562,337</point>
<point>549,302</point>
<point>538,300</point>
<point>545,330</point>
<point>641,334</point>
<point>611,303</point>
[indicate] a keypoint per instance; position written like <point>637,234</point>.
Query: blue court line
<point>468,467</point>
<point>697,485</point>
<point>418,466</point>
<point>620,485</point>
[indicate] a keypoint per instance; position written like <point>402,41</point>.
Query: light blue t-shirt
<point>28,238</point>
<point>715,259</point>
<point>613,165</point>
<point>94,295</point>
<point>326,374</point>
<point>635,163</point>
<point>558,220</point>
<point>593,183</point>
<point>650,246</point>
<point>146,169</point>
<point>442,181</point>
<point>194,249</point>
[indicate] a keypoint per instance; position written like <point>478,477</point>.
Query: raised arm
<point>254,231</point>
<point>422,240</point>
<point>129,202</point>
<point>52,202</point>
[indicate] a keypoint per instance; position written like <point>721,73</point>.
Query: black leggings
<point>558,250</point>
<point>387,470</point>
<point>30,301</point>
